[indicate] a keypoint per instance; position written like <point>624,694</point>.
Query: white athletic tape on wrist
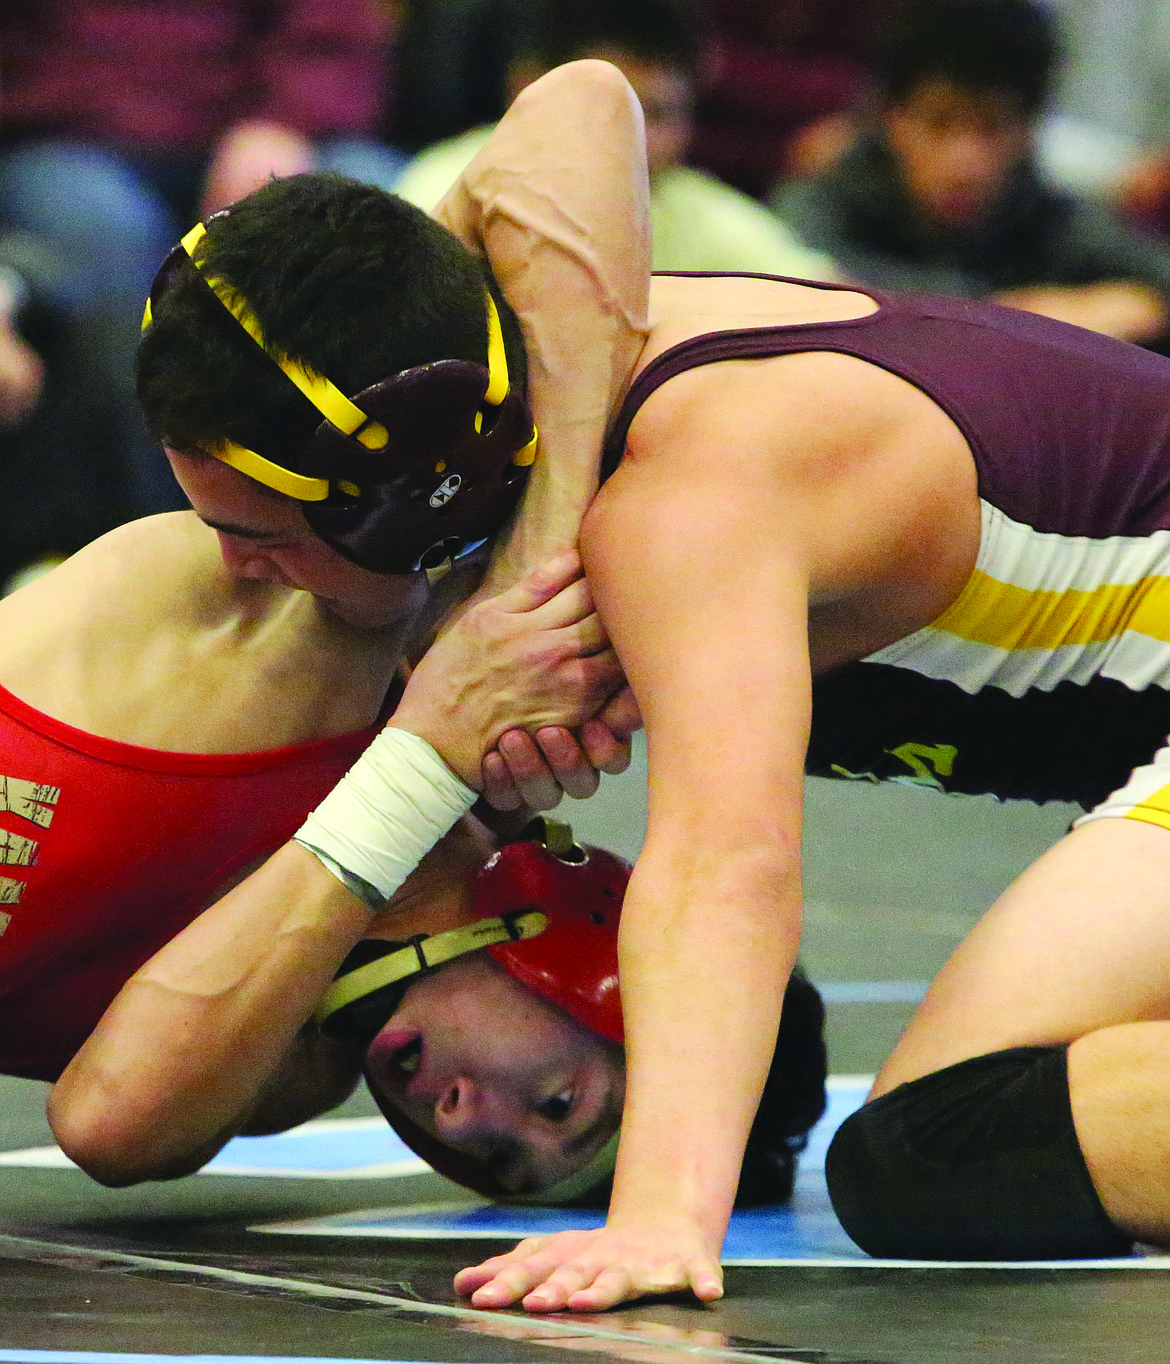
<point>387,812</point>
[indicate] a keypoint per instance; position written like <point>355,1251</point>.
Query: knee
<point>979,1161</point>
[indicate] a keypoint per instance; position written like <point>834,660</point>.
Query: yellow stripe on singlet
<point>1154,810</point>
<point>1005,616</point>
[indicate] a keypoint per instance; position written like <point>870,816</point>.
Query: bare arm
<point>557,201</point>
<point>705,598</point>
<point>190,1051</point>
<point>747,492</point>
<point>182,1058</point>
<point>714,909</point>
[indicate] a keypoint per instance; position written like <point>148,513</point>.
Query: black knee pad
<point>979,1161</point>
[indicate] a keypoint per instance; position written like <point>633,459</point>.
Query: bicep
<point>558,200</point>
<point>705,597</point>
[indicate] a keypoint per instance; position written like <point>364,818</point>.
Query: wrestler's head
<point>352,361</point>
<point>263,536</point>
<point>503,1066</point>
<point>960,85</point>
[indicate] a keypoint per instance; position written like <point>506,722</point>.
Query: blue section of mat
<point>358,1145</point>
<point>329,1148</point>
<point>803,1232</point>
<point>803,1229</point>
<point>337,1147</point>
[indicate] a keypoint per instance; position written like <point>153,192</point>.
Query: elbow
<point>93,1144</point>
<point>102,1162</point>
<point>596,83</point>
<point>753,883</point>
<point>109,1149</point>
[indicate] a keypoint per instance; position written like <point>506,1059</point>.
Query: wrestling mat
<point>333,1242</point>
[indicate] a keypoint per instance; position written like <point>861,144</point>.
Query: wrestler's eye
<point>558,1107</point>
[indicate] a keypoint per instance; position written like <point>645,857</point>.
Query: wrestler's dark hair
<point>793,1098</point>
<point>354,282</point>
<point>792,1102</point>
<point>665,32</point>
<point>1004,47</point>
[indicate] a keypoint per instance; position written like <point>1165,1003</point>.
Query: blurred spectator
<point>1143,190</point>
<point>21,370</point>
<point>1084,157</point>
<point>778,72</point>
<point>58,488</point>
<point>941,192</point>
<point>698,222</point>
<point>125,120</point>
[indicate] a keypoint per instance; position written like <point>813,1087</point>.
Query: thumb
<point>543,583</point>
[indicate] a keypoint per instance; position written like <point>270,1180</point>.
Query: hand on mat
<point>590,1271</point>
<point>533,657</point>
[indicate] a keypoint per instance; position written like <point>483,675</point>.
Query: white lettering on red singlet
<point>28,799</point>
<point>35,802</point>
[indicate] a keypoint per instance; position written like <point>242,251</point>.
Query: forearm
<point>557,202</point>
<point>707,945</point>
<point>714,642</point>
<point>181,1058</point>
<point>707,941</point>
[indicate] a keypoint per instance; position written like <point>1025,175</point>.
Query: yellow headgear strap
<point>429,952</point>
<point>327,398</point>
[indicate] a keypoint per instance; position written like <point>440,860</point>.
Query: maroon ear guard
<point>572,963</point>
<point>447,476</point>
<point>423,467</point>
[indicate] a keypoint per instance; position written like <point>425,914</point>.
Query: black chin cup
<point>438,479</point>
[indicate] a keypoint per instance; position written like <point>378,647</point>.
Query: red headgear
<point>548,911</point>
<point>573,963</point>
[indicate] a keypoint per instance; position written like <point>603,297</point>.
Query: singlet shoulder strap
<point>751,343</point>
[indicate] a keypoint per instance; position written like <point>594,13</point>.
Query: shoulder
<point>169,562</point>
<point>144,638</point>
<point>590,79</point>
<point>162,574</point>
<point>789,409</point>
<point>856,470</point>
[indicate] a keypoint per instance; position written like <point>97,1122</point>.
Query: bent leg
<point>1080,941</point>
<point>1077,952</point>
<point>1119,1079</point>
<point>978,1161</point>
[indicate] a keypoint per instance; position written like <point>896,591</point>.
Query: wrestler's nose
<point>468,1109</point>
<point>244,560</point>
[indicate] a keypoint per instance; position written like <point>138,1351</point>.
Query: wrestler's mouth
<point>407,1059</point>
<point>396,1056</point>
